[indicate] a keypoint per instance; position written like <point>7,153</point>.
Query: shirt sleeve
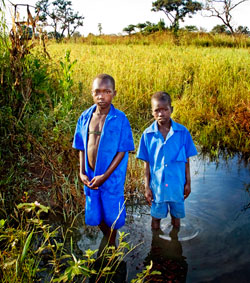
<point>142,152</point>
<point>126,142</point>
<point>78,137</point>
<point>190,147</point>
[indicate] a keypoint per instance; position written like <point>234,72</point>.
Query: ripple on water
<point>187,232</point>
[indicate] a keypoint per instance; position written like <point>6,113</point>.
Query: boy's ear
<point>114,93</point>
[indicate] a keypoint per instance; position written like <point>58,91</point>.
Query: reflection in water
<point>167,257</point>
<point>214,239</point>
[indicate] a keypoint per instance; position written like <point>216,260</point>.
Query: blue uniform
<point>106,202</point>
<point>167,160</point>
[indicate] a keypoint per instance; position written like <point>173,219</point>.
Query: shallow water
<point>213,244</point>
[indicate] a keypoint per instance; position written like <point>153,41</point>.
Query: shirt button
<point>166,185</point>
<point>166,165</point>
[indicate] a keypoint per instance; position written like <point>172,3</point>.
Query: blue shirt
<point>116,137</point>
<point>167,160</point>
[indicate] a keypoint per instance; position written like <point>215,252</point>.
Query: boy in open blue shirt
<point>103,136</point>
<point>165,147</point>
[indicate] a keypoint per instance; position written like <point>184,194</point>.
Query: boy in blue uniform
<point>103,136</point>
<point>165,147</point>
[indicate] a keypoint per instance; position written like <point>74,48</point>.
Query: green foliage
<point>220,29</point>
<point>27,242</point>
<point>176,10</point>
<point>129,29</point>
<point>62,16</point>
<point>145,274</point>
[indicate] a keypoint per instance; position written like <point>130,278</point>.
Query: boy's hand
<point>84,178</point>
<point>96,182</point>
<point>187,190</point>
<point>148,196</point>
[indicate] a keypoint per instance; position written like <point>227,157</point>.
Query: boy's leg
<point>109,233</point>
<point>155,224</point>
<point>176,222</point>
<point>177,212</point>
<point>158,211</point>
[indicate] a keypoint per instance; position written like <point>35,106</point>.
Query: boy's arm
<point>82,174</point>
<point>148,192</point>
<point>97,181</point>
<point>187,187</point>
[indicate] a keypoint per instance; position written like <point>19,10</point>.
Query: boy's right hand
<point>148,196</point>
<point>84,178</point>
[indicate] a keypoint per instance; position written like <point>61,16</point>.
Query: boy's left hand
<point>96,182</point>
<point>187,190</point>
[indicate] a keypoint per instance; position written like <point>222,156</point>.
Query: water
<point>213,244</point>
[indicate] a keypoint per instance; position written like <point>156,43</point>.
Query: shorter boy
<point>166,146</point>
<point>103,137</point>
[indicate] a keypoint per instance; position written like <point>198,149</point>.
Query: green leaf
<point>26,247</point>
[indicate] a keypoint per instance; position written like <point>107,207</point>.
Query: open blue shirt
<point>116,137</point>
<point>167,160</point>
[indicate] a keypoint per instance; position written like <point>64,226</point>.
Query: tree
<point>100,28</point>
<point>129,29</point>
<point>242,30</point>
<point>222,9</point>
<point>220,29</point>
<point>141,26</point>
<point>191,28</point>
<point>60,15</point>
<point>176,10</point>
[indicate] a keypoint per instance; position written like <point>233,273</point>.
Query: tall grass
<point>167,38</point>
<point>209,86</point>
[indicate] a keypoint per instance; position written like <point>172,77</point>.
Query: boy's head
<point>103,90</point>
<point>161,107</point>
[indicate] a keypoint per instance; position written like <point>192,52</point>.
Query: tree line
<point>177,10</point>
<point>64,21</point>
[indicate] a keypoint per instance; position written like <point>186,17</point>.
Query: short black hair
<point>162,96</point>
<point>105,77</point>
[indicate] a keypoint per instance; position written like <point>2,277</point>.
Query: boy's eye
<point>104,91</point>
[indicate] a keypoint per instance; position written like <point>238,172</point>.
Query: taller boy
<point>103,135</point>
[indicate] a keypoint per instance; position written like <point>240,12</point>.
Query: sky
<point>115,15</point>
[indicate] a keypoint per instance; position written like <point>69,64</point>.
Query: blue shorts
<point>160,210</point>
<point>102,206</point>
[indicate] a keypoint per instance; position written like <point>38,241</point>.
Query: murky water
<point>213,244</point>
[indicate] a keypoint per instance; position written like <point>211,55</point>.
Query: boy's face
<point>103,93</point>
<point>161,111</point>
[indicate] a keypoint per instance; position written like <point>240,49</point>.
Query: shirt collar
<point>154,127</point>
<point>111,114</point>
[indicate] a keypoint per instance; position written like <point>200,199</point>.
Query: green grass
<point>209,86</point>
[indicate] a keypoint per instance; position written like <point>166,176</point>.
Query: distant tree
<point>176,10</point>
<point>141,26</point>
<point>76,34</point>
<point>222,9</point>
<point>220,29</point>
<point>129,29</point>
<point>60,15</point>
<point>100,28</point>
<point>191,28</point>
<point>242,30</point>
<point>161,25</point>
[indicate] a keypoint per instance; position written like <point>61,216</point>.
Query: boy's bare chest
<point>96,124</point>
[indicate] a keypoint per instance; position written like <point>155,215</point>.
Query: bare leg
<point>109,233</point>
<point>176,222</point>
<point>155,224</point>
